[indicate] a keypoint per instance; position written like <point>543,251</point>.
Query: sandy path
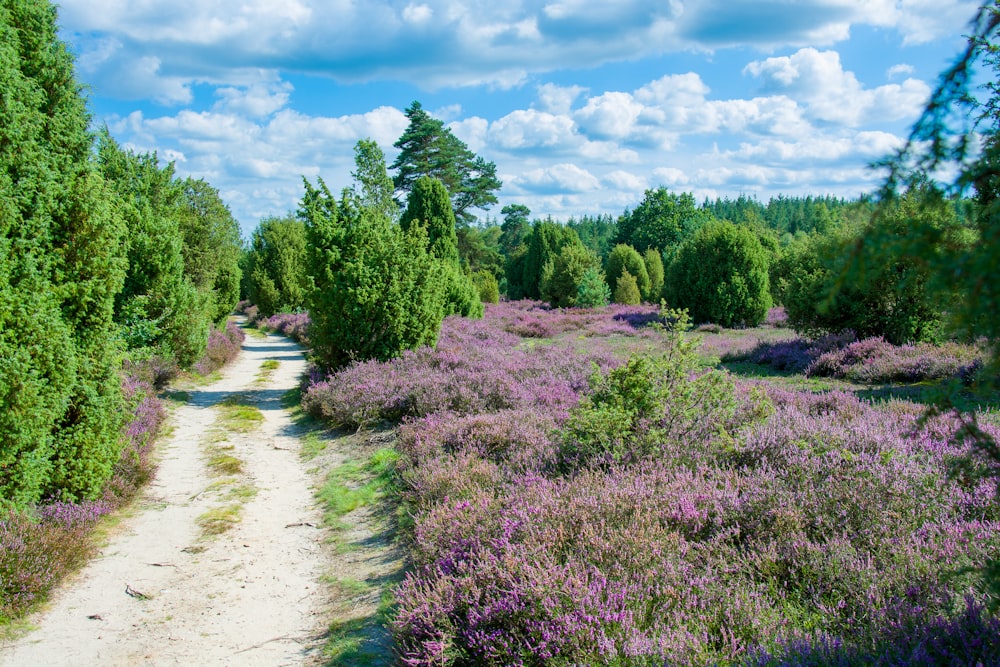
<point>250,596</point>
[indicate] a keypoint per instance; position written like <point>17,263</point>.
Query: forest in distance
<point>725,432</point>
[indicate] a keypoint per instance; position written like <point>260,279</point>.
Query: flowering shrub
<point>868,361</point>
<point>874,360</point>
<point>825,518</point>
<point>223,346</point>
<point>475,368</point>
<point>293,325</point>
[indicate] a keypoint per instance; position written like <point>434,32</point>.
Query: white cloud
<point>417,13</point>
<point>832,94</point>
<point>559,178</point>
<point>256,100</point>
<point>558,99</point>
<point>439,43</point>
<point>899,70</point>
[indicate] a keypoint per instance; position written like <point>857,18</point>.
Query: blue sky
<point>581,104</point>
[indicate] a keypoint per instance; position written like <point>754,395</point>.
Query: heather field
<point>593,487</point>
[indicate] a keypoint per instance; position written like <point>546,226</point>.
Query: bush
<point>489,288</point>
<point>720,275</point>
<point>563,275</point>
<point>627,291</point>
<point>654,267</point>
<point>624,258</point>
<point>889,300</point>
<point>592,292</point>
<point>376,290</point>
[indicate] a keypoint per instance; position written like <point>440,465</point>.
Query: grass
<point>361,640</point>
<point>238,414</point>
<point>253,332</point>
<point>312,446</point>
<point>220,519</point>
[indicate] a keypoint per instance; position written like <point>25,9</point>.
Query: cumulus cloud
<point>438,43</point>
<point>559,178</point>
<point>833,94</point>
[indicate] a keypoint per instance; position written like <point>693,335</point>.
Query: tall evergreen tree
<point>428,148</point>
<point>428,204</point>
<point>60,266</point>
<point>376,290</point>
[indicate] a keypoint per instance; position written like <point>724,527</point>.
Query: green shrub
<point>720,275</point>
<point>626,258</point>
<point>652,406</point>
<point>654,268</point>
<point>593,292</point>
<point>627,291</point>
<point>376,289</point>
<point>888,298</point>
<point>489,288</point>
<point>563,275</point>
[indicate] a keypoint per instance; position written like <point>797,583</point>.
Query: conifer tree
<point>428,148</point>
<point>60,266</point>
<point>376,290</point>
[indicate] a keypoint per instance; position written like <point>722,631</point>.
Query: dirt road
<point>222,559</point>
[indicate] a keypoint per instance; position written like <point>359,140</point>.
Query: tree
<point>720,275</point>
<point>428,207</point>
<point>663,220</point>
<point>428,204</point>
<point>210,246</point>
<point>276,265</point>
<point>515,227</point>
<point>890,298</point>
<point>564,275</point>
<point>61,263</point>
<point>546,240</point>
<point>428,148</point>
<point>654,268</point>
<point>624,258</point>
<point>376,290</point>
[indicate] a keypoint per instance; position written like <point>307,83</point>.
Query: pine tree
<point>428,148</point>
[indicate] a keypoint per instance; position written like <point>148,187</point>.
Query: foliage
<point>596,232</point>
<point>652,406</point>
<point>564,274</point>
<point>210,246</point>
<point>546,240</point>
<point>428,148</point>
<point>663,220</point>
<point>801,526</point>
<point>61,264</point>
<point>489,288</point>
<point>428,207</point>
<point>275,266</point>
<point>654,269</point>
<point>888,298</point>
<point>376,291</point>
<point>627,290</point>
<point>721,276</point>
<point>593,291</point>
<point>626,258</point>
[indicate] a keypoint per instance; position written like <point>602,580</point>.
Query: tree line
<point>106,256</point>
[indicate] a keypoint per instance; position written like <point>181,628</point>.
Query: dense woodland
<point>111,262</point>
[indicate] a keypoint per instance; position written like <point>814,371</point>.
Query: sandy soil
<point>162,593</point>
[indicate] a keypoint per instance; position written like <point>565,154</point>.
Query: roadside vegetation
<point>729,432</point>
